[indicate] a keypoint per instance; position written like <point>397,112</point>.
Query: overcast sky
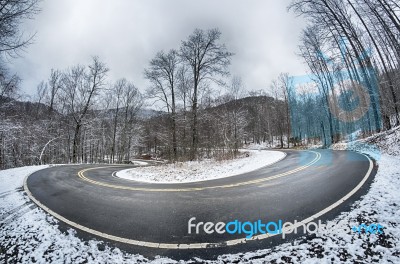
<point>126,34</point>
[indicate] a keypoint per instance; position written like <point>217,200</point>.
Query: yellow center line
<point>197,245</point>
<point>83,177</point>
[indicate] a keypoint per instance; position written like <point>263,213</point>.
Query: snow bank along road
<point>152,219</point>
<point>195,171</point>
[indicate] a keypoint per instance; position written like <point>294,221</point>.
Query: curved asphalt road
<point>152,219</point>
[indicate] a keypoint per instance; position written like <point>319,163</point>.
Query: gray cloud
<point>126,34</point>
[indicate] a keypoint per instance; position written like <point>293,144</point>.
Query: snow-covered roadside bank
<point>11,182</point>
<point>28,235</point>
<point>380,205</point>
<point>194,171</point>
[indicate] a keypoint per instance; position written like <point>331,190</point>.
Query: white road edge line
<point>336,204</point>
<point>193,245</point>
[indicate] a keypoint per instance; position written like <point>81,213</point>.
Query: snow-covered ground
<point>28,235</point>
<point>380,205</point>
<point>194,171</point>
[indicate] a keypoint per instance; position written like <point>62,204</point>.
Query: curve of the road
<point>152,219</point>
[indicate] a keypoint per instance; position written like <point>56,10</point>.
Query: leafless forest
<point>348,43</point>
<point>79,116</point>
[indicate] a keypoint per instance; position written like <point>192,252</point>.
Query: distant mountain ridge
<point>13,107</point>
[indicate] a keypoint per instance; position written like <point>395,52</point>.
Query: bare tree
<point>185,94</point>
<point>207,59</point>
<point>41,91</point>
<point>237,91</point>
<point>9,83</point>
<point>125,101</point>
<point>81,85</point>
<point>162,73</point>
<point>115,97</point>
<point>54,85</point>
<point>284,85</point>
<point>12,13</point>
<point>131,103</point>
